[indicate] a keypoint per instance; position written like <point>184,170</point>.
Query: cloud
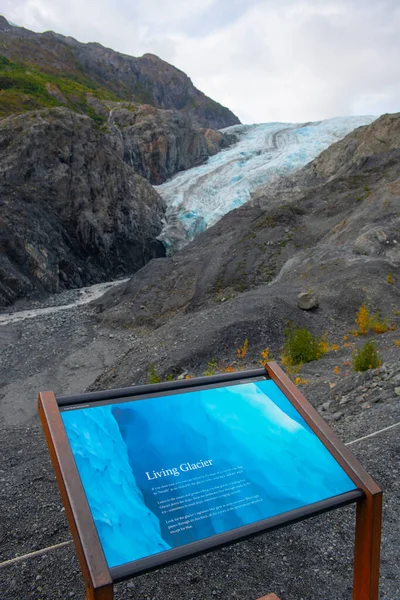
<point>292,60</point>
<point>302,60</point>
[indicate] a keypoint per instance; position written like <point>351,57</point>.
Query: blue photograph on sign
<point>162,472</point>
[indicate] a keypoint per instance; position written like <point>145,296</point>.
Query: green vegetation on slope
<point>301,346</point>
<point>366,357</point>
<point>24,88</point>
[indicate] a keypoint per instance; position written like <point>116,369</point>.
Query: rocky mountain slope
<point>74,206</point>
<point>331,230</point>
<point>51,69</point>
<point>71,211</point>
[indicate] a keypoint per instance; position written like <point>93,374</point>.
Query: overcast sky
<point>267,60</point>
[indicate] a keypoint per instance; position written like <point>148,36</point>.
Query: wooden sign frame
<point>99,579</point>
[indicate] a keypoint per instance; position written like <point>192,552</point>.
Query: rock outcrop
<point>112,75</point>
<point>72,212</point>
<point>159,143</point>
<point>241,278</point>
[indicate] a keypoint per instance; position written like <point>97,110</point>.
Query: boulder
<point>307,301</point>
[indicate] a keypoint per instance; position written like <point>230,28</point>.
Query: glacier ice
<point>199,197</point>
<point>114,498</point>
<point>250,426</point>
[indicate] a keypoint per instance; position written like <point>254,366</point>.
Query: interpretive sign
<point>163,472</point>
<point>169,471</point>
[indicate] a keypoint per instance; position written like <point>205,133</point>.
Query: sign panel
<point>162,473</point>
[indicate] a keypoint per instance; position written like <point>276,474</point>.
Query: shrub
<point>300,381</point>
<point>366,321</point>
<point>153,375</point>
<point>378,325</point>
<point>366,357</point>
<point>363,319</point>
<point>211,368</point>
<point>242,351</point>
<point>301,346</point>
<point>264,357</point>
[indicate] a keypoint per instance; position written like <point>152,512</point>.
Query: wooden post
<point>269,597</point>
<point>105,593</point>
<point>367,547</point>
<point>98,582</point>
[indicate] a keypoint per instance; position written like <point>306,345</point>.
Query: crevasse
<point>199,197</point>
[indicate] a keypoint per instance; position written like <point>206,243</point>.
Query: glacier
<point>251,427</point>
<point>114,498</point>
<point>199,197</point>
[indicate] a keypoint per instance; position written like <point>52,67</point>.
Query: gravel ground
<point>312,560</point>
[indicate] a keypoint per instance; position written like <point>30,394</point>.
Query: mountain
<point>49,69</point>
<point>78,146</point>
<point>331,230</point>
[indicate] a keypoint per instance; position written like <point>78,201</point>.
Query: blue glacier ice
<point>114,498</point>
<point>250,426</point>
<point>199,197</point>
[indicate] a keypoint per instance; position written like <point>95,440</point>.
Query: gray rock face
<point>71,211</point>
<point>159,143</point>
